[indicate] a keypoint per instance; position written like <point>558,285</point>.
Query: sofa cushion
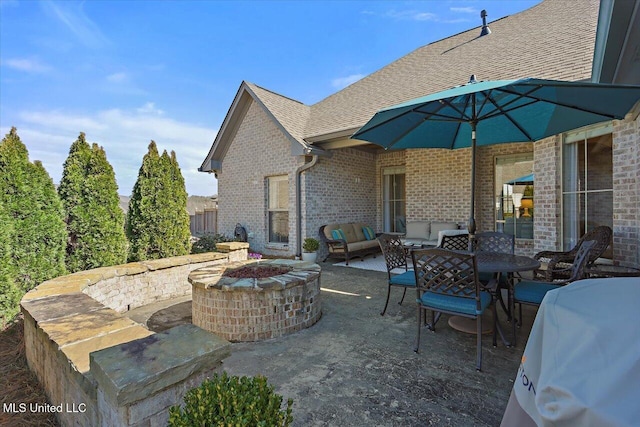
<point>350,232</point>
<point>438,226</point>
<point>357,229</point>
<point>417,230</point>
<point>338,234</point>
<point>368,232</point>
<point>328,230</point>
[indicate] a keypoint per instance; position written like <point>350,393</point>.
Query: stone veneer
<point>251,309</point>
<point>102,367</point>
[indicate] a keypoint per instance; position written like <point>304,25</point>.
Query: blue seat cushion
<point>405,279</point>
<point>532,292</point>
<point>451,303</point>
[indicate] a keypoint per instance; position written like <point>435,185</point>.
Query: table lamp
<point>526,204</point>
<point>517,201</point>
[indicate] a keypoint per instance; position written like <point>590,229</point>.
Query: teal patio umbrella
<point>523,180</point>
<point>494,112</point>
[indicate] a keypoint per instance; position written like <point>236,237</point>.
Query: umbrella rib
<point>384,122</point>
<point>562,104</point>
<point>513,122</point>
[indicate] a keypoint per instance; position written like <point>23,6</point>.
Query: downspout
<point>304,167</point>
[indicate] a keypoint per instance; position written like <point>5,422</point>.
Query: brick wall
<point>546,165</point>
<point>259,150</point>
<point>626,190</point>
<point>339,189</point>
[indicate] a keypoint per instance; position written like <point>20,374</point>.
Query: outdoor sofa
<point>428,233</point>
<point>349,240</point>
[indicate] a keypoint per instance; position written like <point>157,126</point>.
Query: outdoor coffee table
<point>497,263</point>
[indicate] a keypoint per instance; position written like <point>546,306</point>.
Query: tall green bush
<point>37,234</point>
<point>9,293</point>
<point>95,222</point>
<point>232,401</point>
<point>157,220</point>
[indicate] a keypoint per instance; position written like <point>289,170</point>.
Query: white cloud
<point>150,108</point>
<point>404,15</point>
<point>125,136</point>
<point>467,9</point>
<point>342,82</point>
<point>72,15</point>
<point>28,65</point>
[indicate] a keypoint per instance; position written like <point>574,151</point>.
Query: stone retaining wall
<point>80,345</point>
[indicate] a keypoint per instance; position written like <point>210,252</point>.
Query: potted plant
<point>309,248</point>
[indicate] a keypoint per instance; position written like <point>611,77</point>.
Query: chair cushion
<point>438,226</point>
<point>407,278</point>
<point>338,234</point>
<point>368,232</point>
<point>532,292</point>
<point>450,303</point>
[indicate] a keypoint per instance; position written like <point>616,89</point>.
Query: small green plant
<point>208,242</point>
<point>232,401</point>
<point>310,245</point>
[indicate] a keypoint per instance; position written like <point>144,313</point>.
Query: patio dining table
<point>498,263</point>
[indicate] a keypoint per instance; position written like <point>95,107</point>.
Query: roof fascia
<point>617,24</point>
<point>298,148</point>
<point>230,124</point>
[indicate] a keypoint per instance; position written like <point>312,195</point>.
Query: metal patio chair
<point>395,257</point>
<point>457,242</point>
<point>447,282</point>
<point>531,292</point>
<point>495,241</point>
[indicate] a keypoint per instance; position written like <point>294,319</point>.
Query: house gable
<point>287,114</point>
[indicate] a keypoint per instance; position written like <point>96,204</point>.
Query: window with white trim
<point>394,199</point>
<point>278,209</point>
<point>587,183</point>
<point>514,194</point>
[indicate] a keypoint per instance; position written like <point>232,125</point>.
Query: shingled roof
<point>552,40</point>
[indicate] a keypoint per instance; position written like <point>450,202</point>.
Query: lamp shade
<point>517,199</point>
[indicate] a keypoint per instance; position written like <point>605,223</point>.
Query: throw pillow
<point>338,234</point>
<point>368,232</point>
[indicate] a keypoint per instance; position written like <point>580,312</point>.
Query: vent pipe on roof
<point>485,28</point>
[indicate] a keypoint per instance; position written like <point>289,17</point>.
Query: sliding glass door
<point>393,200</point>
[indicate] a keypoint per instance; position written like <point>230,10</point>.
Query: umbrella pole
<point>472,218</point>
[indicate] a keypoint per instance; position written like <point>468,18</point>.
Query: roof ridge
<point>276,93</point>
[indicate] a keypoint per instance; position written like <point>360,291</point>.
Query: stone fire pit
<point>252,309</point>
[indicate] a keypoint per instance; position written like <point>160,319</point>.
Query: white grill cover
<point>581,364</point>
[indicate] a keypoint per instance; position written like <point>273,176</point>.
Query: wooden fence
<point>204,222</point>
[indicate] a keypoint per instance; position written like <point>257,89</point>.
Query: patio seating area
<point>355,367</point>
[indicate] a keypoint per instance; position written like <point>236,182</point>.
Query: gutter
<point>299,171</point>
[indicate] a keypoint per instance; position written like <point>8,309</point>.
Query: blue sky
<point>127,72</point>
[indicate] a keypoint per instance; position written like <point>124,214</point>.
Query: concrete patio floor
<point>357,368</point>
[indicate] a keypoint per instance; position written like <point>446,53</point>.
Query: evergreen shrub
<point>232,401</point>
<point>207,243</point>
